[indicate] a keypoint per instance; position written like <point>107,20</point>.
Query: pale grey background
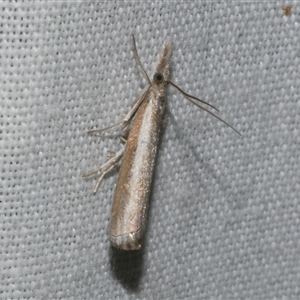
<point>224,218</point>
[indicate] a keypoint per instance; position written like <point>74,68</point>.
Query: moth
<point>141,129</point>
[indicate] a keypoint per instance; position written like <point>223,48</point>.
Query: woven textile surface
<point>224,216</point>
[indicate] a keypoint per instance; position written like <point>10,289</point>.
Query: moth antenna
<point>137,58</point>
<point>190,98</point>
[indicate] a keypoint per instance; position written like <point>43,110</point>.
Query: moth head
<point>158,78</point>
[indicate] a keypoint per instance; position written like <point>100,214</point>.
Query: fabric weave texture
<point>224,216</point>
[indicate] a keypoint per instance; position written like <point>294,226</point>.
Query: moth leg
<point>105,128</point>
<point>106,167</point>
<point>128,117</point>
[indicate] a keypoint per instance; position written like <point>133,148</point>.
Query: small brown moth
<point>287,10</point>
<point>143,122</point>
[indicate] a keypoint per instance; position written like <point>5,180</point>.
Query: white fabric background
<point>224,216</point>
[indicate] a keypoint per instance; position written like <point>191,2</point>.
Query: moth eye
<point>158,77</point>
